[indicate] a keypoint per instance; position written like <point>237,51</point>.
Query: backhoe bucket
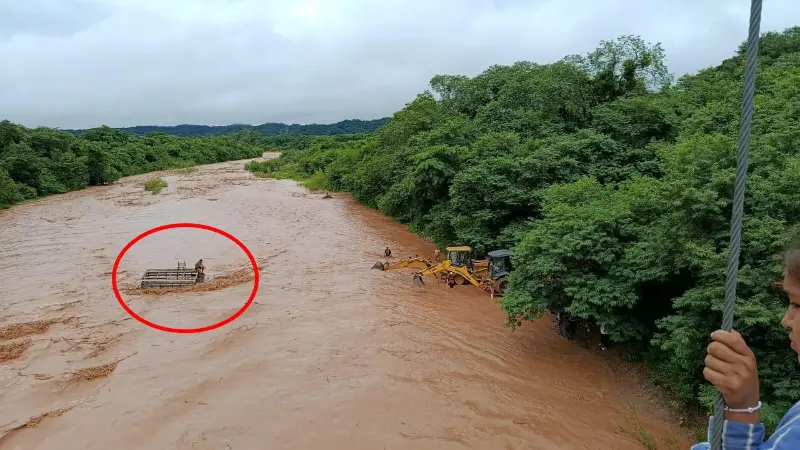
<point>417,280</point>
<point>378,265</point>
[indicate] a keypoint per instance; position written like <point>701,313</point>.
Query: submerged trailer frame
<point>171,278</point>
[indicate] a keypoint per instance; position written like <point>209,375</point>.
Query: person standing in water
<point>451,280</point>
<point>387,253</point>
<point>731,368</point>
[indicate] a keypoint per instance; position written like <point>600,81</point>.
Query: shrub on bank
<point>154,185</point>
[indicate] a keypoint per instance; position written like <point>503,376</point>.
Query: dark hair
<point>792,261</point>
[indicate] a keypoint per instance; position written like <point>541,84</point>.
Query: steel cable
<point>745,127</point>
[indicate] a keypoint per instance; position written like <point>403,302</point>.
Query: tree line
<point>612,182</point>
<point>35,162</point>
<point>350,126</point>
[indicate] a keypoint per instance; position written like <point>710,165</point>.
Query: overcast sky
<point>84,63</point>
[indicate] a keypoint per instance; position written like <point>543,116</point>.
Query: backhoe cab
<point>491,273</point>
<point>461,256</point>
<point>499,269</point>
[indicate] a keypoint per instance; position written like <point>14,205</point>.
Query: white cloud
<point>82,63</point>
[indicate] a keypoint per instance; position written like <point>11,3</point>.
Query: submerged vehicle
<point>171,278</point>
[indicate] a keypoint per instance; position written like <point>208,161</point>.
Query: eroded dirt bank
<point>330,355</point>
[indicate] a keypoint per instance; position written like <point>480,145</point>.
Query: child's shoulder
<point>788,431</point>
<point>793,413</point>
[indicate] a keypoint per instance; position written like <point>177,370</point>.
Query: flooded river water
<point>330,355</point>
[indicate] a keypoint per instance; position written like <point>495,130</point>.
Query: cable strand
<point>732,271</point>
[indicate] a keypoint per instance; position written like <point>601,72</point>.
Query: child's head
<point>791,285</point>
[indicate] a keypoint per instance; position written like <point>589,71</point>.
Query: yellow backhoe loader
<point>489,274</point>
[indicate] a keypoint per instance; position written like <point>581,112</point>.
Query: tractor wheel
<point>460,279</point>
<point>502,286</point>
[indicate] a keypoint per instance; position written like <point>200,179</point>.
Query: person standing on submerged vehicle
<point>199,267</point>
<point>731,368</point>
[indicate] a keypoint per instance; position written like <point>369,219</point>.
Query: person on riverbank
<point>437,254</point>
<point>565,324</point>
<point>731,368</point>
<point>605,338</point>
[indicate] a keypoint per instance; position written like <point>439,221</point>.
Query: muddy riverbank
<point>329,355</point>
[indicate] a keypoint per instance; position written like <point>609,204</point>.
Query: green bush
<point>154,185</point>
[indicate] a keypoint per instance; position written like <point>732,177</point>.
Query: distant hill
<point>267,129</point>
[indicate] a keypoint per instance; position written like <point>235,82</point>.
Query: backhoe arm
<point>421,264</point>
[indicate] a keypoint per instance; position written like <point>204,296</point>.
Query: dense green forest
<point>35,162</point>
<point>266,129</point>
<point>612,182</point>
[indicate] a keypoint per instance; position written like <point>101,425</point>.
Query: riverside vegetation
<point>36,162</point>
<point>612,182</point>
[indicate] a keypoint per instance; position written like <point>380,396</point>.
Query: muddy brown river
<point>330,355</point>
